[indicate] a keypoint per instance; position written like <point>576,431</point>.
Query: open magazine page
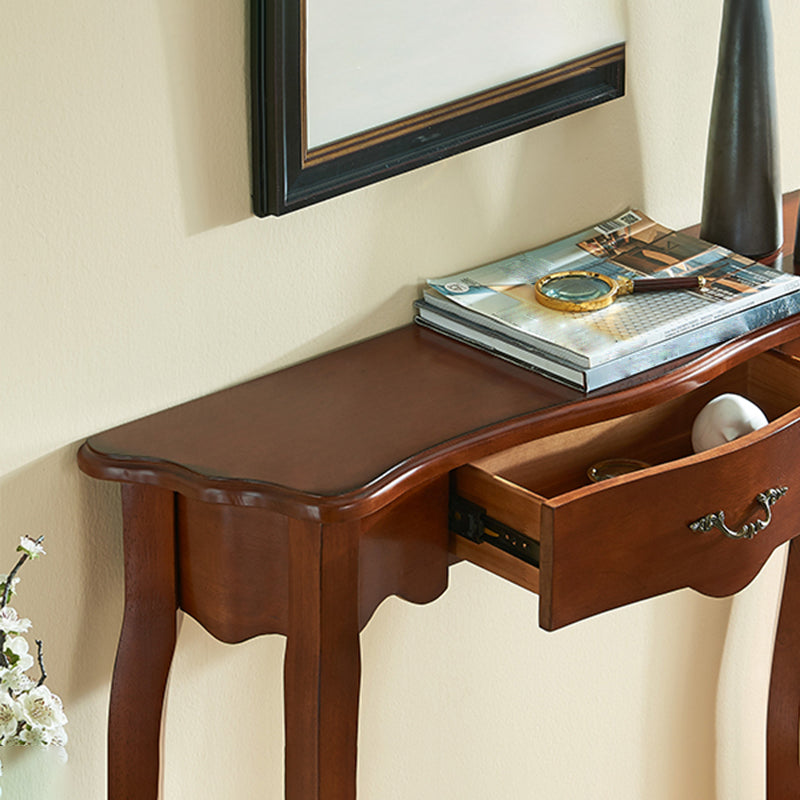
<point>631,246</point>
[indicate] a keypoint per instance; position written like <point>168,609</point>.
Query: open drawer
<point>603,545</point>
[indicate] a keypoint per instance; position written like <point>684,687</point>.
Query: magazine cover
<point>500,295</point>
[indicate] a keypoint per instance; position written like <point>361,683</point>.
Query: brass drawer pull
<point>750,529</point>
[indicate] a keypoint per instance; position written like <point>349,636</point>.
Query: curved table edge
<point>426,465</point>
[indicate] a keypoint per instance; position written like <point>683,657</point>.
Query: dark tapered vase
<point>742,198</point>
<point>797,245</point>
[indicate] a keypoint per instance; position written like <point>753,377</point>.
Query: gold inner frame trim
<point>460,107</point>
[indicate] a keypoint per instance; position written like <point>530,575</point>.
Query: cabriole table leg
<point>146,643</point>
<point>783,718</point>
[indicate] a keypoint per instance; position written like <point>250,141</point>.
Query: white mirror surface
<point>370,62</point>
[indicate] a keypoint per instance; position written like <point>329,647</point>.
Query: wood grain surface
<point>343,435</point>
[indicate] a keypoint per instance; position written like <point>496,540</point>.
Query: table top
<point>343,434</point>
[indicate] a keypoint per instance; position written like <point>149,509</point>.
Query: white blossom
<point>16,651</point>
<point>59,739</point>
<point>30,546</point>
<point>10,715</point>
<point>43,708</point>
<point>35,736</point>
<point>14,679</point>
<point>11,623</point>
<point>30,714</point>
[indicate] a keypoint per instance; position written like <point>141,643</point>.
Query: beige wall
<point>134,277</point>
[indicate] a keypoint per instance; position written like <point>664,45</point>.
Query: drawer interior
<point>511,486</point>
<point>557,464</point>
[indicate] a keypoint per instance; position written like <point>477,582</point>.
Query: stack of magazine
<point>493,307</point>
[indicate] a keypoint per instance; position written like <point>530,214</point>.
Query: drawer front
<point>629,538</point>
<point>609,544</point>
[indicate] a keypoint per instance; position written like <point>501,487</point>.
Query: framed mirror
<point>346,92</point>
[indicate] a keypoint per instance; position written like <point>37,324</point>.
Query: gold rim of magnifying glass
<point>614,288</point>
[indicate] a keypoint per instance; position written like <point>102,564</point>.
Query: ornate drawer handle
<point>750,529</point>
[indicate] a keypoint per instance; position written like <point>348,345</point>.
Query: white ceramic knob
<point>723,419</point>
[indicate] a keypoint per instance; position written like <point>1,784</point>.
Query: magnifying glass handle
<point>666,284</point>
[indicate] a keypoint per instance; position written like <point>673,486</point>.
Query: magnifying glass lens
<point>575,288</point>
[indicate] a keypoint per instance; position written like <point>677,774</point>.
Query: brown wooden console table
<point>295,503</point>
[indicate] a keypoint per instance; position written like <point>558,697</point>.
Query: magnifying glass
<point>590,291</point>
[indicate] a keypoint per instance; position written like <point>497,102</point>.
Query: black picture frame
<point>286,175</point>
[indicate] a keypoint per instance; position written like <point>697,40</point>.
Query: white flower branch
<point>30,714</point>
<point>30,548</point>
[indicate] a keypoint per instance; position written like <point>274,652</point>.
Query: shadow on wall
<point>206,56</point>
<point>471,209</point>
<point>507,196</point>
<point>685,658</point>
<point>206,51</point>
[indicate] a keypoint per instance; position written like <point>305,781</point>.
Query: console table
<point>295,503</point>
